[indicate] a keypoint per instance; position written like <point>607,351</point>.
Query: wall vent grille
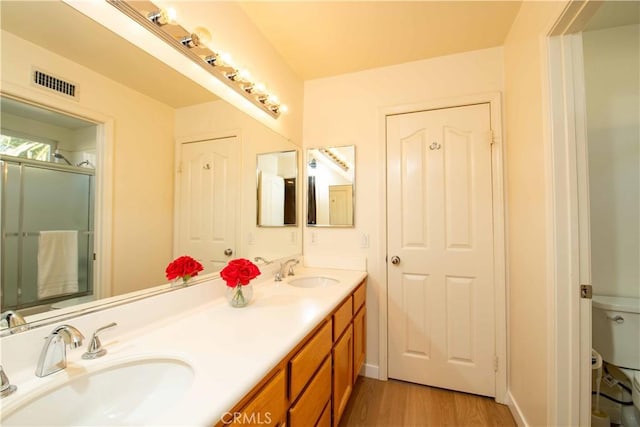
<point>53,83</point>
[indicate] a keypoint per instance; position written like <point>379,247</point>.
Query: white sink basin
<point>128,393</point>
<point>313,282</point>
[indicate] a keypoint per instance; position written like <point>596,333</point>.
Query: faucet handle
<point>292,266</point>
<point>95,349</point>
<point>6,388</point>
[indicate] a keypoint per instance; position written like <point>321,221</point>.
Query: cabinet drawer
<point>268,407</point>
<point>306,361</point>
<point>312,402</point>
<point>358,297</point>
<point>325,418</point>
<point>342,318</point>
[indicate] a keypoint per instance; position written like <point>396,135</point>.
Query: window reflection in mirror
<point>331,186</point>
<point>277,175</point>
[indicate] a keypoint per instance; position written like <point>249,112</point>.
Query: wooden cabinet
<point>311,386</point>
<point>342,373</point>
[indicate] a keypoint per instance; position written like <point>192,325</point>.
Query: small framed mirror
<point>277,176</point>
<point>331,186</point>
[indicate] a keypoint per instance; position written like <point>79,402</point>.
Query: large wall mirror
<point>277,179</point>
<point>331,186</point>
<point>148,112</point>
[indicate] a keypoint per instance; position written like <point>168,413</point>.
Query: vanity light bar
<point>334,158</point>
<point>192,45</point>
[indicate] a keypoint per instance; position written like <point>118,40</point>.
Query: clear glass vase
<point>239,296</point>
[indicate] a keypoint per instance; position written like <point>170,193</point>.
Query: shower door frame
<point>21,233</point>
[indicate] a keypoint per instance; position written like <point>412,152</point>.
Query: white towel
<point>57,263</point>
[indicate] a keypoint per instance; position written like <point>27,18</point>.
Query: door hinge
<point>492,137</point>
<point>495,363</point>
<point>94,256</point>
<point>586,291</point>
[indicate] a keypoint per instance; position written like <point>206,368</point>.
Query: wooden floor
<point>397,403</point>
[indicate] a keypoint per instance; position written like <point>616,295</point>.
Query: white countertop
<point>230,349</point>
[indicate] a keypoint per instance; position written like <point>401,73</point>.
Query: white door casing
<point>441,317</point>
<point>207,200</point>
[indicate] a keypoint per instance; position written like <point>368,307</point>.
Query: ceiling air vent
<point>53,83</point>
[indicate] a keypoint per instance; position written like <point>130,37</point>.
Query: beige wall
<point>528,228</point>
<point>347,109</point>
<point>142,152</point>
<point>612,83</point>
<point>216,119</point>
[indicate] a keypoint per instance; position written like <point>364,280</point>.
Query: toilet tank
<point>616,330</point>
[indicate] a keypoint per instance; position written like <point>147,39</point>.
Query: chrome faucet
<point>6,388</point>
<point>281,272</point>
<point>53,357</point>
<point>15,321</point>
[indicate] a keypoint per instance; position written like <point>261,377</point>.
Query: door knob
<point>228,252</point>
<point>395,260</point>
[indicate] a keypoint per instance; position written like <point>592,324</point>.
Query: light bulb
<point>260,87</point>
<point>284,109</point>
<point>204,35</point>
<point>244,75</point>
<point>164,16</point>
<point>272,99</point>
<point>227,60</point>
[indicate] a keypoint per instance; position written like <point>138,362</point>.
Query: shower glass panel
<point>39,199</point>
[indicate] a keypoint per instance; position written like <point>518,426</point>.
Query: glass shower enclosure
<point>47,232</point>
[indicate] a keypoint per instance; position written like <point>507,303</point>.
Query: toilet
<point>616,336</point>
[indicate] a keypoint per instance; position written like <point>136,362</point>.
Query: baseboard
<point>518,416</point>
<point>370,371</point>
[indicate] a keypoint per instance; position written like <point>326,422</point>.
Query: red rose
<point>239,271</point>
<point>184,267</point>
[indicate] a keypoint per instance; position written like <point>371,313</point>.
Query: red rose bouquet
<point>184,267</point>
<point>237,274</point>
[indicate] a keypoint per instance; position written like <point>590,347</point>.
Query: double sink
<point>129,391</point>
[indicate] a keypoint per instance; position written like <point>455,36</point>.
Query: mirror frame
<point>306,187</point>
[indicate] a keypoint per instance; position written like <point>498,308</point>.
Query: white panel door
<point>441,292</point>
<point>208,191</point>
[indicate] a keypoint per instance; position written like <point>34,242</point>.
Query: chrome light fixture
<point>194,45</point>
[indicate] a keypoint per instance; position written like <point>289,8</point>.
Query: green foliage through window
<point>20,147</point>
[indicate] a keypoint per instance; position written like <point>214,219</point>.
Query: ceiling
<point>324,38</point>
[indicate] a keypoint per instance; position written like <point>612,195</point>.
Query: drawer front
<point>342,318</point>
<point>325,417</point>
<point>306,361</point>
<point>268,407</point>
<point>309,407</point>
<point>358,297</point>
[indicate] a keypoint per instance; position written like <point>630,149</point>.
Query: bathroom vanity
<point>291,356</point>
<point>313,383</point>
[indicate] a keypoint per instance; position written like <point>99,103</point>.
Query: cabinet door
<point>342,373</point>
<point>267,408</point>
<point>359,341</point>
